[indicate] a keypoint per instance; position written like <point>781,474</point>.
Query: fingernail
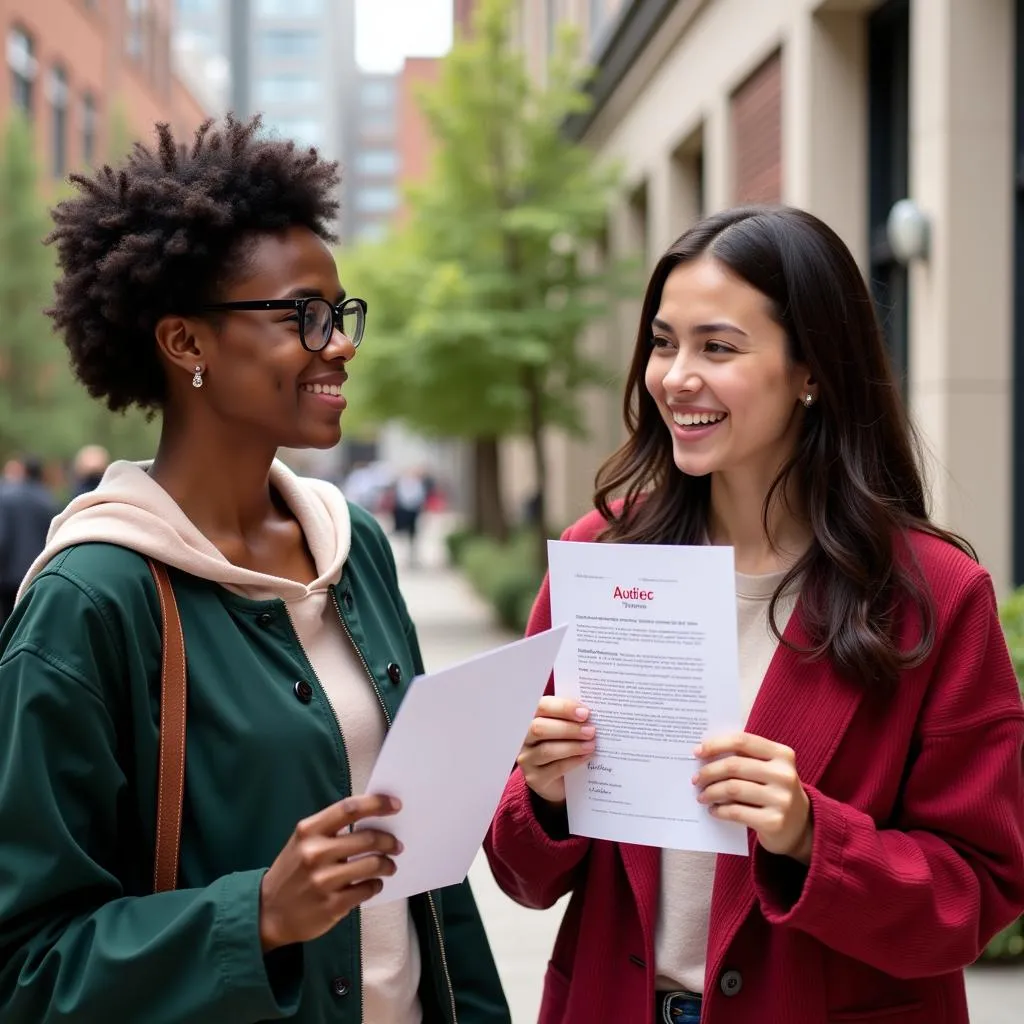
<point>698,751</point>
<point>588,732</point>
<point>396,804</point>
<point>694,780</point>
<point>399,846</point>
<point>582,713</point>
<point>589,747</point>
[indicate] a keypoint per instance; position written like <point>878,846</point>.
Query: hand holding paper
<point>448,756</point>
<point>654,656</point>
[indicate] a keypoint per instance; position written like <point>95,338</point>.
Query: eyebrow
<point>714,328</point>
<point>313,293</point>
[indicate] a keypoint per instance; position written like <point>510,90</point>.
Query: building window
<point>377,161</point>
<point>287,89</point>
<point>293,45</point>
<point>376,93</point>
<point>304,131</point>
<point>889,169</point>
<point>135,37</point>
<point>57,88</point>
<point>376,200</point>
<point>756,114</point>
<point>22,61</point>
<point>289,8</point>
<point>90,123</point>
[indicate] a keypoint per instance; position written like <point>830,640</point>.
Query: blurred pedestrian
<point>879,777</point>
<point>197,282</point>
<point>26,511</point>
<point>90,464</point>
<point>14,471</point>
<point>410,496</point>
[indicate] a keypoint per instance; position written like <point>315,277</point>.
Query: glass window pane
<point>89,124</point>
<point>23,64</point>
<point>289,8</point>
<point>376,200</point>
<point>305,131</point>
<point>299,45</point>
<point>287,89</point>
<point>377,161</point>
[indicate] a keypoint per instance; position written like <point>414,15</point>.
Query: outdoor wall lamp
<point>908,230</point>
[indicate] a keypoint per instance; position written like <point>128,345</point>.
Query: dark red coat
<point>918,857</point>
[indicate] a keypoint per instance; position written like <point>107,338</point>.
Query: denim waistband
<point>677,1008</point>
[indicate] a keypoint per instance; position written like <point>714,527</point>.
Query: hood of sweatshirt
<point>130,509</point>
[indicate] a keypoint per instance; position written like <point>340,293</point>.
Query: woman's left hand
<point>754,781</point>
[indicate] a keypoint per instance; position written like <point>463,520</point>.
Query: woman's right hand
<point>558,741</point>
<point>313,883</point>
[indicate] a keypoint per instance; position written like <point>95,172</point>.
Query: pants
<point>676,1008</point>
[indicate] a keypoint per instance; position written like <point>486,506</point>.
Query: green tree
<point>43,409</point>
<point>478,304</point>
<point>30,356</point>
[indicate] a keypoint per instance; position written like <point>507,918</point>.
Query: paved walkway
<point>453,625</point>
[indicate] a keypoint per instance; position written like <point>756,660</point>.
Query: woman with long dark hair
<point>880,771</point>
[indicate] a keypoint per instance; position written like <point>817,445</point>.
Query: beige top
<point>684,904</point>
<point>131,509</point>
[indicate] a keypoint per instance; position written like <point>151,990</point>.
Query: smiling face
<point>258,378</point>
<point>721,374</point>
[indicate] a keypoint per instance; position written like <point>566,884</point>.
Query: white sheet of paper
<point>653,652</point>
<point>448,756</point>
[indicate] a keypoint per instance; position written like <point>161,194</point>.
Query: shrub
<point>1009,943</point>
<point>455,542</point>
<point>505,575</point>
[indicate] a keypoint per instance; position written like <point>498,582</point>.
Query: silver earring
<point>808,400</point>
<point>197,377</point>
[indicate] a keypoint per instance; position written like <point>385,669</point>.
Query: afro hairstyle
<point>162,233</point>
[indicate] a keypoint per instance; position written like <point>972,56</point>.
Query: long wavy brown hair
<point>856,466</point>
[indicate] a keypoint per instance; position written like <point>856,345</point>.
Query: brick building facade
<point>76,67</point>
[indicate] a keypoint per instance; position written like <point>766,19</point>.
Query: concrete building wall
<point>692,121</point>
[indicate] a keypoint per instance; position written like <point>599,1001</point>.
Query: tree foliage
<point>478,302</point>
<point>43,410</point>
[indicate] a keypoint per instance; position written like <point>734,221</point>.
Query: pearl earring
<point>197,377</point>
<point>808,400</point>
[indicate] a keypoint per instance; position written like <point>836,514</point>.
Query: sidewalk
<point>453,624</point>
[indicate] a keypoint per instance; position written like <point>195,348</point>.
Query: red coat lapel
<point>803,705</point>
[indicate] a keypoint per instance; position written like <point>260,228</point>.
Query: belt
<point>677,1007</point>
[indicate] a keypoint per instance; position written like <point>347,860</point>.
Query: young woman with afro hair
<point>196,283</point>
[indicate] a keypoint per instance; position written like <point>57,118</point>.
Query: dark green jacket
<point>82,938</point>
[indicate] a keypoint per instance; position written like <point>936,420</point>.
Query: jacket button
<point>303,691</point>
<point>265,620</point>
<point>340,987</point>
<point>394,673</point>
<point>731,983</point>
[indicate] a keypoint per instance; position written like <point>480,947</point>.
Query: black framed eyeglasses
<point>317,317</point>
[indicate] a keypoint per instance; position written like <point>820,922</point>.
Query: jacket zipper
<point>344,747</point>
<point>387,719</point>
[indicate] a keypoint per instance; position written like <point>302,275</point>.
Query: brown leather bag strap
<point>171,778</point>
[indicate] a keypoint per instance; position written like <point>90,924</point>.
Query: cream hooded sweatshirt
<point>132,510</point>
